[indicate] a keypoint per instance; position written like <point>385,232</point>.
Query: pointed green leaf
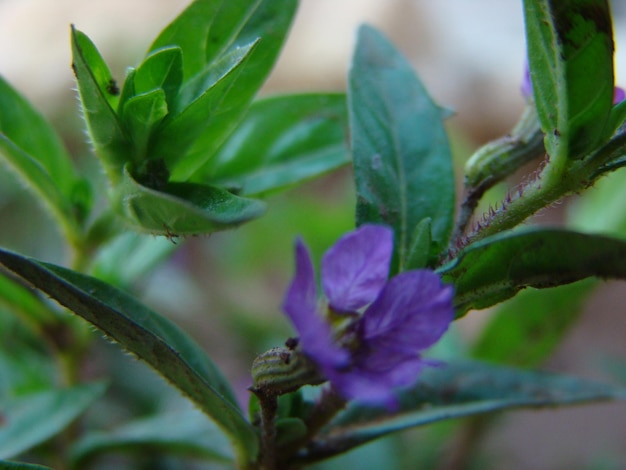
<point>268,24</point>
<point>186,433</point>
<point>141,115</point>
<point>453,391</point>
<point>570,53</point>
<point>148,336</point>
<point>205,30</point>
<point>161,69</point>
<point>402,161</point>
<point>496,268</point>
<point>183,208</point>
<point>98,103</point>
<point>282,141</point>
<point>525,330</point>
<point>419,246</point>
<point>34,418</point>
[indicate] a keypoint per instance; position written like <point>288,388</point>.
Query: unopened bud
<point>280,370</point>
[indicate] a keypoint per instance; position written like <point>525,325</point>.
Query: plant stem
<point>269,406</point>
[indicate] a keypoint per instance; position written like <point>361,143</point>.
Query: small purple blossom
<point>389,323</point>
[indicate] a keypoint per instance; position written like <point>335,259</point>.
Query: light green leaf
<point>186,433</point>
<point>268,24</point>
<point>161,69</point>
<point>453,391</point>
<point>496,268</point>
<point>148,336</point>
<point>199,106</point>
<point>19,298</point>
<point>34,418</point>
<point>205,30</point>
<point>110,142</point>
<point>402,161</point>
<point>141,115</point>
<point>183,208</point>
<point>570,53</point>
<point>282,141</point>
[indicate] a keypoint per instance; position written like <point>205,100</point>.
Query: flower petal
<point>300,305</point>
<point>355,269</point>
<point>412,312</point>
<point>375,383</point>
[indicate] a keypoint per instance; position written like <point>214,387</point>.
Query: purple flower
<point>380,326</point>
<point>527,88</point>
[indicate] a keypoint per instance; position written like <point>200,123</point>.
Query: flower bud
<point>280,370</point>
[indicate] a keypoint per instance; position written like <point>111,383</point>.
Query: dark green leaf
<point>186,433</point>
<point>98,103</point>
<point>34,418</point>
<point>618,117</point>
<point>205,30</point>
<point>525,330</point>
<point>570,52</point>
<point>282,141</point>
<point>141,114</point>
<point>453,391</point>
<point>419,246</point>
<point>268,24</point>
<point>7,465</point>
<point>496,268</point>
<point>183,208</point>
<point>162,69</point>
<point>402,162</point>
<point>147,335</point>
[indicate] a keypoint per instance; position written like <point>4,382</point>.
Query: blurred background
<point>226,290</point>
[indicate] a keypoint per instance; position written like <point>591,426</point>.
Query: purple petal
<point>411,313</point>
<point>618,95</point>
<point>300,305</point>
<point>355,269</point>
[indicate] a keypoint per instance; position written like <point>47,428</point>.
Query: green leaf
<point>7,465</point>
<point>496,268</point>
<point>199,107</point>
<point>282,141</point>
<point>161,69</point>
<point>205,30</point>
<point>453,391</point>
<point>141,114</point>
<point>32,148</point>
<point>570,53</point>
<point>402,162</point>
<point>231,29</point>
<point>525,330</point>
<point>148,336</point>
<point>186,433</point>
<point>183,208</point>
<point>34,418</point>
<point>98,103</point>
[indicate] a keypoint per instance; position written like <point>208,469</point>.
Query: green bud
<point>281,370</point>
<point>502,157</point>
